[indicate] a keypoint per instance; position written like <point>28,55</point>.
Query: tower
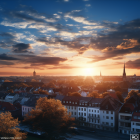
<point>100,73</point>
<point>124,73</point>
<point>34,73</point>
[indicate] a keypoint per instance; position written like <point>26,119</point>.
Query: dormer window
<point>75,102</point>
<point>69,101</point>
<point>79,103</point>
<point>85,104</point>
<point>63,101</point>
<point>72,102</point>
<point>89,104</point>
<point>66,101</point>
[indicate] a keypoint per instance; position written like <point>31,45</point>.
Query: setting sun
<point>88,71</point>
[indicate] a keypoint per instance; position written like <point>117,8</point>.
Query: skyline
<point>67,37</point>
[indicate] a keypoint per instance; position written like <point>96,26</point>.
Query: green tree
<point>8,126</point>
<point>51,117</point>
<point>131,93</point>
<point>77,94</point>
<point>94,94</point>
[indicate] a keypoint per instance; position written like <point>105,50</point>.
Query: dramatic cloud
<point>21,48</point>
<point>74,45</point>
<point>123,40</point>
<point>133,64</point>
<point>6,57</point>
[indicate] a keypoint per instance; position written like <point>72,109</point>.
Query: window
<point>98,121</point>
<point>75,113</point>
<point>135,117</point>
<point>111,124</point>
<point>98,111</point>
<point>23,108</point>
<point>72,102</point>
<point>89,104</point>
<point>111,112</point>
<point>84,109</point>
<point>69,101</point>
<point>28,109</point>
<point>111,118</point>
<point>107,117</point>
<point>89,110</point>
<point>92,110</point>
<point>103,111</point>
<point>81,109</point>
<point>107,112</point>
<point>139,117</point>
<point>92,120</point>
<point>66,101</point>
<point>63,101</point>
<point>103,116</point>
<point>107,123</point>
<point>71,113</point>
<point>95,110</point>
<point>89,114</point>
<point>79,103</point>
<point>137,124</point>
<point>92,115</point>
<point>102,122</point>
<point>79,113</point>
<point>133,129</point>
<point>69,107</point>
<point>84,114</point>
<point>75,102</point>
<point>75,108</point>
<point>85,104</point>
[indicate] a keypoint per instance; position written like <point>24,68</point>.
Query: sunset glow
<point>81,37</point>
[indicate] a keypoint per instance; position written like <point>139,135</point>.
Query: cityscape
<point>69,70</point>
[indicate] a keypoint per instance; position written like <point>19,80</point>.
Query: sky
<point>69,37</point>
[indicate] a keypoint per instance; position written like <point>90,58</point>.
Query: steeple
<point>124,73</point>
<point>34,73</point>
<point>100,73</point>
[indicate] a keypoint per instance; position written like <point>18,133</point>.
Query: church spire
<point>124,73</point>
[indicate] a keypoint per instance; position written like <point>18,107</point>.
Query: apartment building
<point>109,113</point>
<point>71,103</point>
<point>135,121</point>
<point>83,110</point>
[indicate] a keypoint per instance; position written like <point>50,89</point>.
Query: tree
<point>33,80</point>
<point>119,95</point>
<point>7,81</point>
<point>8,126</point>
<point>131,93</point>
<point>10,91</point>
<point>49,116</point>
<point>77,94</point>
<point>104,94</point>
<point>94,94</point>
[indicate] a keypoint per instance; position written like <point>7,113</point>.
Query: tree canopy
<point>119,95</point>
<point>77,94</point>
<point>49,116</point>
<point>8,126</point>
<point>131,93</point>
<point>94,94</point>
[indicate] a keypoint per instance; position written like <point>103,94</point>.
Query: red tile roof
<point>113,95</point>
<point>7,106</point>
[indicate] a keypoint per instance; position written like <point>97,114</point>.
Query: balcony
<point>125,120</point>
<point>106,125</point>
<point>124,127</point>
<point>93,117</point>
